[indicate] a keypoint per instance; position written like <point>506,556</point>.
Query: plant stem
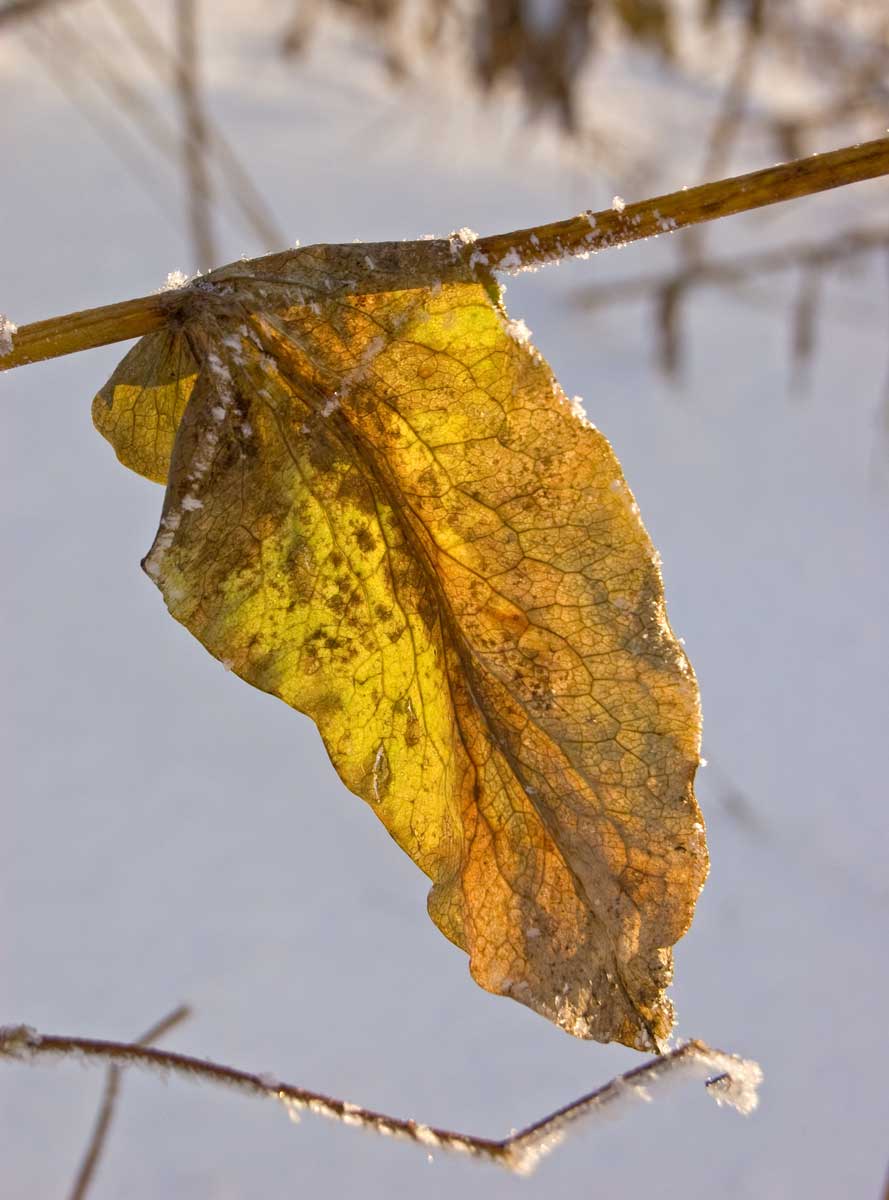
<point>87,329</point>
<point>520,250</point>
<point>590,232</point>
<point>732,1081</point>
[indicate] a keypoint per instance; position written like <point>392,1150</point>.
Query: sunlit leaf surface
<point>381,508</point>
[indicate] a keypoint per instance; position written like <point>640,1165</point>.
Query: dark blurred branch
<point>732,1081</point>
<point>720,143</point>
<point>18,10</point>
<point>728,123</point>
<point>807,255</point>
<point>194,142</point>
<point>670,290</point>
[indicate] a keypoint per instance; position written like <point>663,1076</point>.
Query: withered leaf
<point>381,508</point>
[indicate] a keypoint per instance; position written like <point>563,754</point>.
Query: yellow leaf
<point>382,508</point>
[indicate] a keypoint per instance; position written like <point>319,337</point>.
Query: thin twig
<point>732,1081</point>
<point>109,1099</point>
<point>522,250</point>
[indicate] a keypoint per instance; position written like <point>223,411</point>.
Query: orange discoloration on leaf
<point>381,508</point>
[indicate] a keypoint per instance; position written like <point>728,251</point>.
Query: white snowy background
<point>169,834</point>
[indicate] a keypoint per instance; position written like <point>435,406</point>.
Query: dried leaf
<point>382,508</point>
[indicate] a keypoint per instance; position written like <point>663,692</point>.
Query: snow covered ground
<point>170,834</point>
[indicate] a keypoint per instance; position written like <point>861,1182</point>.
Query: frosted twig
<point>524,249</point>
<point>591,232</point>
<point>109,1098</point>
<point>729,1079</point>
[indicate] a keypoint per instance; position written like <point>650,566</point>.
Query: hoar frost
<point>578,410</point>
<point>478,258</point>
<point>462,237</point>
<point>174,281</point>
<point>518,331</point>
<point>511,261</point>
<point>8,330</point>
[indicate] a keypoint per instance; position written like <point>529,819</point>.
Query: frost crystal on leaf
<point>577,408</point>
<point>511,261</point>
<point>618,204</point>
<point>174,281</point>
<point>463,237</point>
<point>518,331</point>
<point>478,258</point>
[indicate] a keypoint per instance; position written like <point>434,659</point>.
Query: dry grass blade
<point>730,1080</point>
